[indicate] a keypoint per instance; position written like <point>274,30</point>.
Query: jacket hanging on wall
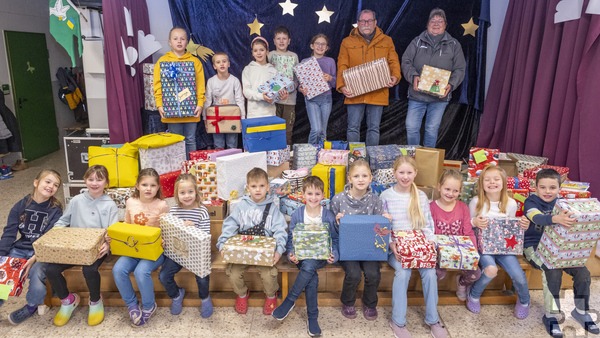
<point>70,93</point>
<point>13,143</point>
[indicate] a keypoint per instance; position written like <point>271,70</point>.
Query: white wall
<point>497,14</point>
<point>160,24</point>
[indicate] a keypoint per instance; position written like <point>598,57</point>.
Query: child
<point>538,209</point>
<point>256,214</point>
<point>143,208</point>
<point>284,61</point>
<point>255,74</point>
<point>409,208</point>
<point>91,209</point>
<point>39,211</point>
<point>195,214</point>
<point>308,278</point>
<point>221,89</point>
<point>452,217</point>
<point>357,199</point>
<point>492,201</point>
<point>319,107</point>
<point>186,126</point>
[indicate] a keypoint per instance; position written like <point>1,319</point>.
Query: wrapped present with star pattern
<point>312,241</point>
<point>178,83</point>
<point>503,236</point>
<point>11,273</point>
<point>415,250</point>
<point>186,245</point>
<point>310,76</point>
<point>249,250</point>
<point>433,81</point>
<point>457,252</point>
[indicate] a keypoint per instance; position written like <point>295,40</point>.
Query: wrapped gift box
<point>305,155</point>
<point>433,81</point>
<point>310,76</point>
<point>274,85</point>
<point>525,162</point>
<point>384,176</point>
<point>575,186</point>
<point>223,119</point>
<point>263,134</point>
<point>288,206</point>
<point>503,236</point>
<point>164,159</point>
<point>531,173</point>
<point>149,102</point>
<point>334,177</point>
<point>383,157</point>
<point>407,150</point>
<point>335,145</point>
<point>249,250</point>
<point>11,272</point>
<point>119,195</point>
<point>574,194</point>
<point>357,150</point>
<point>457,252</point>
<point>76,246</point>
<point>122,163</point>
<point>519,195</point>
<point>225,152</point>
<point>167,183</point>
<point>312,241</point>
<point>451,164</point>
<point>157,140</point>
<point>517,182</point>
<point>178,83</point>
<point>367,77</point>
<point>202,155</point>
<point>206,180</point>
<point>468,191</point>
<point>479,158</point>
<point>137,241</point>
<point>333,157</point>
<point>280,187</point>
<point>232,170</point>
<point>278,157</point>
<point>415,250</point>
<point>377,188</point>
<point>364,238</point>
<point>186,245</point>
<point>296,178</point>
<point>430,166</point>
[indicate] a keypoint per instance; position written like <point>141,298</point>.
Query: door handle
<point>21,101</point>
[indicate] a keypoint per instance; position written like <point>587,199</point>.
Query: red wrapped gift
<point>530,173</point>
<point>575,194</point>
<point>202,155</point>
<point>167,183</point>
<point>223,119</point>
<point>416,251</point>
<point>480,158</point>
<point>519,195</point>
<point>517,182</point>
<point>11,270</point>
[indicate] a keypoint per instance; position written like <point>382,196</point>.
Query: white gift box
<point>164,159</point>
<point>232,170</point>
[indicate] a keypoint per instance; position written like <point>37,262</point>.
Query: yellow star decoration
<point>255,26</point>
<point>470,27</point>
<point>200,51</point>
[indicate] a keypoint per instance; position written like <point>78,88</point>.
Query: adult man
<point>366,43</point>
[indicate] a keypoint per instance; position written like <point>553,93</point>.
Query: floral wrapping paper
<point>415,250</point>
<point>457,252</point>
<point>202,155</point>
<point>433,81</point>
<point>232,170</point>
<point>383,157</point>
<point>164,159</point>
<point>11,271</point>
<point>479,158</point>
<point>503,236</point>
<point>223,119</point>
<point>274,85</point>
<point>249,250</point>
<point>367,77</point>
<point>278,157</point>
<point>206,180</point>
<point>178,83</point>
<point>531,173</point>
<point>333,157</point>
<point>310,76</point>
<point>76,246</point>
<point>518,182</point>
<point>167,183</point>
<point>186,245</point>
<point>364,238</point>
<point>149,102</point>
<point>384,176</point>
<point>519,195</point>
<point>525,162</point>
<point>305,155</point>
<point>280,187</point>
<point>137,241</point>
<point>312,241</point>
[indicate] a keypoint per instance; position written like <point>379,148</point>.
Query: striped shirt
<point>396,204</point>
<point>197,215</point>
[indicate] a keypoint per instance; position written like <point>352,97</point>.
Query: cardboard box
<point>65,245</point>
<point>452,164</point>
<point>217,212</point>
<point>276,171</point>
<point>430,164</point>
<point>510,166</point>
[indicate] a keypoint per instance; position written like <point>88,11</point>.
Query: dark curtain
<point>543,97</point>
<point>124,92</point>
<point>224,29</point>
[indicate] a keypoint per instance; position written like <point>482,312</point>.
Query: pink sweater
<point>140,213</point>
<point>456,222</point>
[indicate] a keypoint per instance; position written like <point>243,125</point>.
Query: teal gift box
<point>364,238</point>
<point>263,134</point>
<point>178,83</point>
<point>312,241</point>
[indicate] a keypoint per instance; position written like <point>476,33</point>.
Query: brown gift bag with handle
<point>430,165</point>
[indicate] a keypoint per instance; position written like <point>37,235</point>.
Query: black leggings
<point>90,273</point>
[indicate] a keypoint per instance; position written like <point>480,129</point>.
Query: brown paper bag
<point>430,165</point>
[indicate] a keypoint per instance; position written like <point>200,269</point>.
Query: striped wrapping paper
<point>367,77</point>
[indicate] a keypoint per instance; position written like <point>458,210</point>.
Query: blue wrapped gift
<point>178,83</point>
<point>287,206</point>
<point>364,238</point>
<point>263,134</point>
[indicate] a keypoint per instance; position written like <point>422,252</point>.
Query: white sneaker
<point>42,309</point>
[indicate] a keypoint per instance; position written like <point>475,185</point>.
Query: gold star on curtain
<point>470,27</point>
<point>255,26</point>
<point>200,51</point>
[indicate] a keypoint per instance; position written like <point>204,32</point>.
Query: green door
<point>32,92</point>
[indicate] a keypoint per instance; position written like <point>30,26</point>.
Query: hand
<point>393,81</point>
<point>161,111</point>
<point>267,98</point>
<point>394,249</point>
<point>338,216</point>
<point>447,90</point>
<point>197,111</point>
<point>564,218</point>
<point>222,255</point>
<point>346,92</point>
<point>480,222</point>
<point>331,259</point>
<point>293,258</point>
<point>283,95</point>
<point>27,267</point>
<point>188,223</point>
<point>276,257</point>
<point>103,250</point>
<point>524,222</point>
<point>303,90</point>
<point>387,215</point>
<point>107,239</point>
<point>327,77</point>
<point>416,80</point>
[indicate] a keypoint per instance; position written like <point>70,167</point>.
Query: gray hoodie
<point>369,204</point>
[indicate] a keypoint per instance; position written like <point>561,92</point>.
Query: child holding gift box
<point>221,89</point>
<point>193,213</point>
<point>40,210</point>
<point>258,215</point>
<point>308,277</point>
<point>318,108</point>
<point>143,208</point>
<point>409,208</point>
<point>358,199</point>
<point>186,126</point>
<point>452,217</point>
<point>90,209</point>
<point>538,209</point>
<point>255,74</point>
<point>492,201</point>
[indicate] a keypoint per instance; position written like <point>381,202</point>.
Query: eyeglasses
<point>436,22</point>
<point>320,44</point>
<point>366,22</point>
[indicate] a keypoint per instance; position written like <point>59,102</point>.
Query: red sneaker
<point>270,305</point>
<point>241,304</point>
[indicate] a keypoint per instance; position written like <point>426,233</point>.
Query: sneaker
<point>313,328</point>
<point>283,310</point>
<point>369,313</point>
<point>399,331</point>
<point>438,330</point>
<point>177,303</point>
<point>146,314</point>
<point>461,290</point>
<point>96,313</point>
<point>20,165</point>
<point>521,311</point>
<point>20,315</point>
<point>270,305</point>
<point>66,310</point>
<point>241,304</point>
<point>552,327</point>
<point>135,314</point>
<point>207,308</point>
<point>349,311</point>
<point>473,305</point>
<point>586,321</point>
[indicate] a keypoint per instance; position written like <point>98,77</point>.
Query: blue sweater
<point>328,217</point>
<point>540,215</point>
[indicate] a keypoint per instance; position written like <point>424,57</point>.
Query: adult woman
<point>436,48</point>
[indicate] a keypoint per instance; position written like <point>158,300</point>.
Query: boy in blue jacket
<point>308,278</point>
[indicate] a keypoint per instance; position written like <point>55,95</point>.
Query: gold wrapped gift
<point>137,241</point>
<point>76,246</point>
<point>249,250</point>
<point>433,81</point>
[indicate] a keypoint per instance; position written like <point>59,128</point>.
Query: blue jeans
<point>189,131</point>
<point>219,140</point>
<point>142,270</point>
<point>167,278</point>
<point>307,280</point>
<point>511,265</point>
<point>414,119</point>
<point>37,277</point>
<point>355,116</point>
<point>318,110</point>
<point>400,286</point>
